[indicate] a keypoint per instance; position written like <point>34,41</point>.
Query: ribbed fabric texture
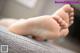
<point>20,44</point>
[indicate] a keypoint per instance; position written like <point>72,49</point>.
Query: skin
<point>66,13</point>
<point>47,26</point>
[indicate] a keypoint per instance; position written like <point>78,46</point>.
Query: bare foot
<point>66,13</point>
<point>64,16</point>
<point>45,27</point>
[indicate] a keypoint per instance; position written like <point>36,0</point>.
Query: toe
<point>71,21</point>
<point>68,8</point>
<point>64,24</point>
<point>61,22</point>
<point>72,14</point>
<point>72,18</point>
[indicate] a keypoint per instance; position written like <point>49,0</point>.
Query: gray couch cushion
<point>21,44</point>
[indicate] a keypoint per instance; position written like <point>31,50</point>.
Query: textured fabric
<point>21,44</point>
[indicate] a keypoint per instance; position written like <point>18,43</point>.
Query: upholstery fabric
<point>20,44</point>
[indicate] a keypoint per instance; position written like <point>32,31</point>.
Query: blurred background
<point>27,8</point>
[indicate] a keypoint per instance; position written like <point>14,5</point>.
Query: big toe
<point>67,8</point>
